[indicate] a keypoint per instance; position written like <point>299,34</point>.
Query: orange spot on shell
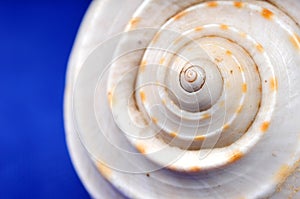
<point>180,15</point>
<point>284,171</point>
<point>194,169</point>
<point>228,52</point>
<point>244,88</point>
<point>143,65</point>
<point>164,101</point>
<point>143,96</point>
<point>239,109</point>
<point>226,126</point>
<point>199,138</point>
<point>141,148</point>
<point>173,134</point>
<point>212,4</point>
<point>162,60</point>
<point>236,156</point>
<point>154,120</point>
<point>199,28</point>
<point>104,170</point>
<point>274,84</point>
<point>218,59</point>
<point>259,48</point>
<point>238,4</point>
<point>267,14</point>
<point>265,126</point>
<point>224,27</point>
<point>241,69</point>
<point>295,39</point>
<point>133,22</point>
<point>260,89</point>
<point>205,116</point>
<point>172,168</point>
<point>244,35</point>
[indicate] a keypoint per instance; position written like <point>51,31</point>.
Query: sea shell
<point>186,99</point>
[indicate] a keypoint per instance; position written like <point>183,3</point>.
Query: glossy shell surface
<point>186,99</point>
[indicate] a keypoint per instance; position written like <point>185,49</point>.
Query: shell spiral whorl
<point>192,78</point>
<point>195,96</point>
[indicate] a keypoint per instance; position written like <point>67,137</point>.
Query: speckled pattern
<point>243,119</point>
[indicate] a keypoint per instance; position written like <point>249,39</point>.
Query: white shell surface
<point>263,159</point>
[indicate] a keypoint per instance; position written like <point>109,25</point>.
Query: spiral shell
<point>194,99</point>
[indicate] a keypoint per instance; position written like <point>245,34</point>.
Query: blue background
<point>36,38</point>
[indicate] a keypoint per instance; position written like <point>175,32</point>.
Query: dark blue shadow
<point>36,38</point>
